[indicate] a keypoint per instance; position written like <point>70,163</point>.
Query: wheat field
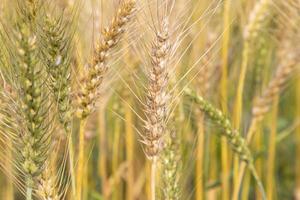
<point>149,100</point>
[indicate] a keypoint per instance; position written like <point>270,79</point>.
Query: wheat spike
<point>157,94</point>
<point>55,40</point>
<point>31,105</point>
<point>237,143</point>
<point>98,67</point>
<point>46,186</point>
<point>170,164</point>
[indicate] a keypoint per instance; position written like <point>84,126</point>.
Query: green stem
<point>258,181</point>
<point>81,160</point>
<point>29,189</point>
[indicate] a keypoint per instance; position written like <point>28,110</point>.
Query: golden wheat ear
<point>156,109</point>
<point>98,66</point>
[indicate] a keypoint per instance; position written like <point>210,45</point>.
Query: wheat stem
<point>258,181</point>
<point>223,91</point>
<point>272,150</point>
<point>71,163</point>
<point>297,135</point>
<point>200,192</point>
<point>81,159</point>
<point>29,189</point>
<point>259,162</point>
<point>117,194</point>
<point>103,152</point>
<point>153,178</point>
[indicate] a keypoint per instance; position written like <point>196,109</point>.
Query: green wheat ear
<point>32,144</point>
<point>237,143</point>
<point>55,40</point>
<point>170,167</point>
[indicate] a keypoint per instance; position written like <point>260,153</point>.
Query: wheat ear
<point>98,67</point>
<point>170,169</point>
<point>237,143</point>
<point>288,64</point>
<point>157,98</point>
<point>51,183</point>
<point>34,135</point>
<point>96,72</point>
<point>55,40</point>
<point>47,185</point>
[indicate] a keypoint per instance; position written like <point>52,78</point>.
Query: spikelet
<point>157,94</point>
<point>55,40</point>
<point>98,67</point>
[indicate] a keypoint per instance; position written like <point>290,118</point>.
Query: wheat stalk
<point>251,32</point>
